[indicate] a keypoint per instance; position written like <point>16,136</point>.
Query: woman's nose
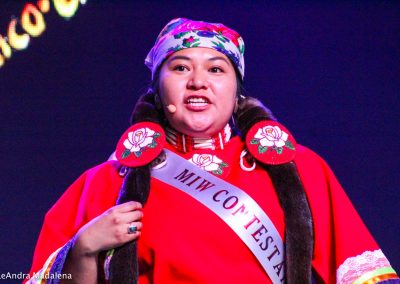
<point>198,80</point>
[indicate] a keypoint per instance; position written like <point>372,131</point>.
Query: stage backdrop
<point>71,72</point>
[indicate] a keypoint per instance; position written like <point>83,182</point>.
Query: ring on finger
<point>132,228</point>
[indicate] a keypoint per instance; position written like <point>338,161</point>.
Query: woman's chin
<point>198,129</point>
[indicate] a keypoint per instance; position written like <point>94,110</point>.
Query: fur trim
<point>145,110</point>
<point>249,112</point>
<point>124,267</point>
<point>133,180</point>
<point>299,239</point>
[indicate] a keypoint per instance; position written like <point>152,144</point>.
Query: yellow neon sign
<point>34,28</point>
<point>33,23</point>
<point>17,41</point>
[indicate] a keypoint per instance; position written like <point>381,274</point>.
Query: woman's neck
<point>186,143</point>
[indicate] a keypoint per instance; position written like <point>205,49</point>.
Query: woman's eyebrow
<point>179,57</point>
<point>219,58</point>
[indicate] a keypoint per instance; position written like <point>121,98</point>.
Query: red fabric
<point>184,242</point>
<point>90,195</point>
<point>339,231</point>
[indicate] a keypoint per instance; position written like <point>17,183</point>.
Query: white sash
<point>237,209</point>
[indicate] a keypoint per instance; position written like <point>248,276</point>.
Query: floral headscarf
<point>183,33</point>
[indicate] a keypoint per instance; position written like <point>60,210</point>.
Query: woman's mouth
<point>197,103</point>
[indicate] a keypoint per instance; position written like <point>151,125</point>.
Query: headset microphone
<point>171,108</point>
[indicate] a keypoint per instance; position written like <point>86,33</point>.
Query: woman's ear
<point>236,105</point>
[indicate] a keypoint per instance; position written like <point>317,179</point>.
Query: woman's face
<point>201,83</point>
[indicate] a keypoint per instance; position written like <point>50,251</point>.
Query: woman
<point>229,198</point>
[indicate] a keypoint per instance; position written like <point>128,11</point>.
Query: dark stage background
<point>330,72</point>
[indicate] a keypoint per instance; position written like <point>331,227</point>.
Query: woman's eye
<point>216,70</point>
<point>180,68</point>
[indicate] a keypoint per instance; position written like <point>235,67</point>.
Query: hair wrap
<point>183,33</point>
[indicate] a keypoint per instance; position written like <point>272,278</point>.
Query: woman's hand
<point>109,230</point>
